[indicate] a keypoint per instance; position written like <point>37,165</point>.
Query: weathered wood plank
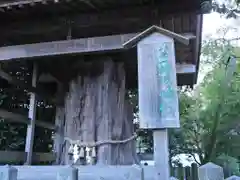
<point>84,45</point>
<point>158,103</point>
<point>16,157</point>
<point>59,143</point>
<point>32,117</point>
<point>15,117</point>
<point>145,156</point>
<point>107,18</point>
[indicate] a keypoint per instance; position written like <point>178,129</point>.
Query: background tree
<point>210,125</point>
<point>229,8</point>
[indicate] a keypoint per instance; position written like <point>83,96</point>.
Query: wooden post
<point>161,154</point>
<point>8,173</point>
<point>188,173</point>
<point>194,170</point>
<point>32,117</point>
<point>180,172</point>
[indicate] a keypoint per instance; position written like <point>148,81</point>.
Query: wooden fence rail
<point>15,117</point>
<point>18,158</point>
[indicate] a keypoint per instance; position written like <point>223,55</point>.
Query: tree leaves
<point>209,127</point>
<point>229,8</point>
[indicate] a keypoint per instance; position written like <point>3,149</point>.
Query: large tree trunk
<point>96,109</point>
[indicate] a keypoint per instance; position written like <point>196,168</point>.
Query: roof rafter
<point>22,2</point>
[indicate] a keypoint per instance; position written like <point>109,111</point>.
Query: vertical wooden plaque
<point>158,97</point>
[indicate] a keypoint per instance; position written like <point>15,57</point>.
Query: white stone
<point>67,173</point>
<point>233,178</point>
<point>133,172</point>
<point>173,178</point>
<point>8,173</point>
<point>210,171</point>
<point>38,172</point>
<point>100,172</point>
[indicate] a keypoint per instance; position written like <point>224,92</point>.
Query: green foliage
<point>210,126</point>
<point>230,165</point>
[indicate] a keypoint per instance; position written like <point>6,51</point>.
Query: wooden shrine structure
<point>85,55</point>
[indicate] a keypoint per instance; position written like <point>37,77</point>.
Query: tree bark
<point>59,143</point>
<point>96,109</point>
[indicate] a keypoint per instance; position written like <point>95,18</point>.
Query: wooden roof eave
<point>132,42</point>
<point>78,46</point>
<point>23,2</point>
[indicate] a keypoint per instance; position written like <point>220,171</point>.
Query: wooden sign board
<point>158,97</point>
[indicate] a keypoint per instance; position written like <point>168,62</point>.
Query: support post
<point>161,154</point>
<point>8,173</point>
<point>32,117</point>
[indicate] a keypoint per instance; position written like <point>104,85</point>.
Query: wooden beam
<point>14,117</point>
<point>32,117</point>
<point>19,157</point>
<point>39,91</point>
<point>84,45</point>
<point>198,44</point>
<point>89,3</point>
<point>22,2</point>
<point>17,82</point>
<point>19,118</point>
<point>145,156</point>
<point>185,68</point>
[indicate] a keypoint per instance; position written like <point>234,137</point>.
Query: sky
<point>211,23</point>
<point>214,21</point>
